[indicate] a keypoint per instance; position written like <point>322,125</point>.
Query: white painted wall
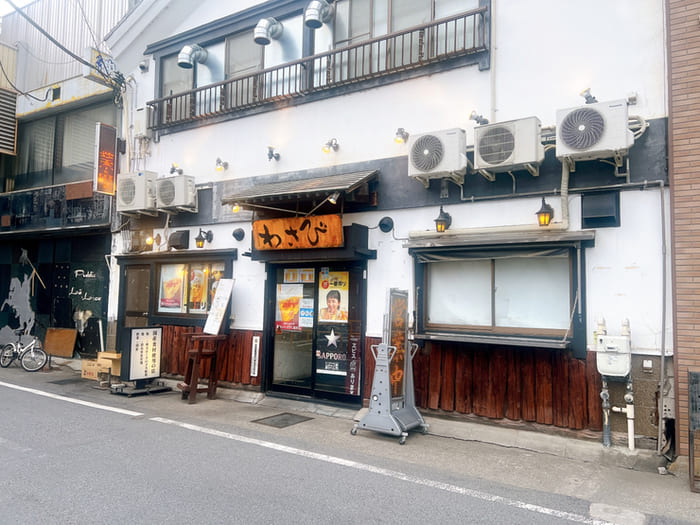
<point>545,53</point>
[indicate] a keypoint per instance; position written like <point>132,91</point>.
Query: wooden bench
<point>204,353</point>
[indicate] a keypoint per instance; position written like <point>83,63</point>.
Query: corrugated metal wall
<point>77,24</point>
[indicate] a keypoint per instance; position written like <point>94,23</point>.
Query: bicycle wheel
<point>7,355</point>
<point>34,359</point>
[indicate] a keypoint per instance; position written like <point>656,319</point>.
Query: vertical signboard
<point>104,178</point>
<point>398,319</point>
<point>218,307</point>
<point>145,351</point>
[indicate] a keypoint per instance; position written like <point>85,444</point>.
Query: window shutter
<point>8,122</point>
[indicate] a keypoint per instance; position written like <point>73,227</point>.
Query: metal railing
<point>410,49</point>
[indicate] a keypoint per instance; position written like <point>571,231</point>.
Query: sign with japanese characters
<point>104,179</point>
<point>293,233</point>
<point>144,355</point>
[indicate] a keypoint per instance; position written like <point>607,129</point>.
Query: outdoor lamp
<point>272,154</point>
<point>174,168</point>
<point>333,197</point>
<point>590,99</point>
<point>203,236</point>
<point>443,221</point>
<point>478,118</point>
<point>545,214</point>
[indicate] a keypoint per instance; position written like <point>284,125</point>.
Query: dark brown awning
<point>301,189</point>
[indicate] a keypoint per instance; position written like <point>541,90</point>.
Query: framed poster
<point>171,295</point>
<point>144,353</point>
<point>333,295</point>
<point>219,306</point>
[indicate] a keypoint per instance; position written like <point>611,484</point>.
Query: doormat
<point>283,420</point>
<point>66,381</point>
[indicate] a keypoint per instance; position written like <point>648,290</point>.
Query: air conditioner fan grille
<point>127,191</point>
<point>166,192</point>
<point>582,128</point>
<point>496,145</point>
<point>427,152</point>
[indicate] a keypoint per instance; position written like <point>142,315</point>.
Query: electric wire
<point>9,81</point>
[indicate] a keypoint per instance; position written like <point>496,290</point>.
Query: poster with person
<point>333,296</point>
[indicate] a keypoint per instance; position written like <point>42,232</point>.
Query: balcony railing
<point>59,207</point>
<point>410,49</point>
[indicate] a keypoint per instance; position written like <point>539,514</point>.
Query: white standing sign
<point>145,353</point>
<point>218,306</point>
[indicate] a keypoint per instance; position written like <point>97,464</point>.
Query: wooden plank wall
<point>519,384</point>
<point>237,354</point>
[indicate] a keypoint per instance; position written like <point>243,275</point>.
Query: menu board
<point>144,357</point>
<point>218,306</point>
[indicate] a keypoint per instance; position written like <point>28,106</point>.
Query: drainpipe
<point>662,378</point>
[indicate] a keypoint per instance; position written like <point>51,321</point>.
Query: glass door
<point>317,348</point>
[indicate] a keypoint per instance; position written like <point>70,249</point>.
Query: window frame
<point>574,337</point>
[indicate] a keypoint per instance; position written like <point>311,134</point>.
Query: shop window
<point>187,288</point>
<point>525,296</point>
<point>59,149</point>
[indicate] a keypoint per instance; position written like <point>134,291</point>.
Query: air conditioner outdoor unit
<point>506,146</point>
<point>594,131</point>
<point>136,192</point>
<point>177,192</point>
<point>438,155</point>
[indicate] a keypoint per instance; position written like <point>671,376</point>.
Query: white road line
<point>577,518</point>
<point>72,400</point>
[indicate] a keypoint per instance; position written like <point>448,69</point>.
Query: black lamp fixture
<point>478,118</point>
<point>174,168</point>
<point>590,99</point>
<point>443,221</point>
<point>221,165</point>
<point>545,214</point>
<point>272,154</point>
<point>203,236</point>
<point>386,224</point>
<point>401,136</point>
<point>332,144</point>
<point>238,234</point>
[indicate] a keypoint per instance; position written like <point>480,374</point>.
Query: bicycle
<point>31,356</point>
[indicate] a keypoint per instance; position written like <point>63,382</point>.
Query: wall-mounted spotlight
<point>331,145</point>
<point>545,214</point>
<point>317,13</point>
<point>190,55</point>
<point>478,118</point>
<point>235,208</point>
<point>221,165</point>
<point>267,30</point>
<point>207,236</point>
<point>443,221</point>
<point>401,136</point>
<point>272,154</point>
<point>238,234</point>
<point>174,168</point>
<point>333,198</point>
<point>590,99</point>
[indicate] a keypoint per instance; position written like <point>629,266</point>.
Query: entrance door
<point>318,325</point>
<point>136,296</point>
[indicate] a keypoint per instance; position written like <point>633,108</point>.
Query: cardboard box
<point>107,360</point>
<point>89,369</point>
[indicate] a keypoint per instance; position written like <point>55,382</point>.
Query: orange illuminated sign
<point>293,233</point>
<point>104,180</point>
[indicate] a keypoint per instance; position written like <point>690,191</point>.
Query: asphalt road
<point>73,454</point>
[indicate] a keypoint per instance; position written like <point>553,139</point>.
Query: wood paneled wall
<point>521,384</point>
<point>237,354</point>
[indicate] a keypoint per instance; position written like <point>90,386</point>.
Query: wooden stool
<point>205,350</point>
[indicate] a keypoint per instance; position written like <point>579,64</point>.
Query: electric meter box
<point>613,355</point>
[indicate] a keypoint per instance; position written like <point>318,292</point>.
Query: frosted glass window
<point>409,13</point>
<point>459,293</point>
<point>532,292</point>
<point>529,292</point>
